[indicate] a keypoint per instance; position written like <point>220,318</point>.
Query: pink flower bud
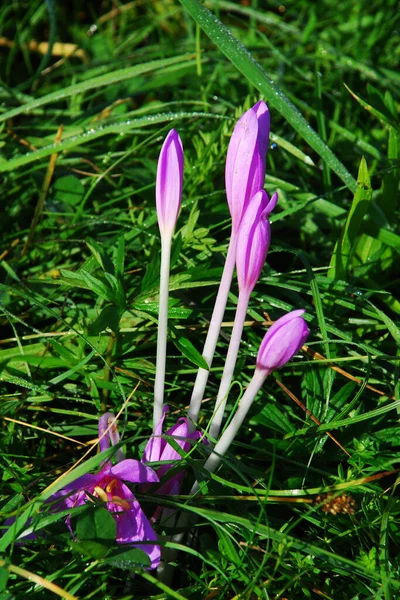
<point>158,449</point>
<point>282,341</point>
<point>169,182</point>
<point>254,237</point>
<point>245,160</point>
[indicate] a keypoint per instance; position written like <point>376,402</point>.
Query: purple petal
<point>253,242</point>
<point>22,536</point>
<point>263,117</point>
<point>271,205</point>
<point>155,445</point>
<point>285,319</point>
<point>169,182</point>
<point>171,487</point>
<point>133,527</point>
<point>134,471</point>
<point>73,494</point>
<point>105,422</point>
<point>179,432</point>
<point>240,163</point>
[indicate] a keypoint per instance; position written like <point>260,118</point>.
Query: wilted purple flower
<point>108,486</point>
<point>254,237</point>
<point>245,160</point>
<point>169,182</point>
<point>159,449</point>
<point>282,341</point>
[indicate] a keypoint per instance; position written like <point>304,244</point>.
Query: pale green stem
<point>230,363</point>
<point>213,333</point>
<point>162,330</point>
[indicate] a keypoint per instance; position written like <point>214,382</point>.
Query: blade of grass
<point>93,133</point>
<point>336,561</point>
<point>340,260</point>
<point>252,70</point>
<point>43,193</point>
<point>95,83</point>
<point>38,580</point>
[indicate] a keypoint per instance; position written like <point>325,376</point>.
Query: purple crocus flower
<point>169,182</point>
<point>168,201</point>
<point>108,485</point>
<point>280,344</point>
<point>282,340</point>
<point>244,177</point>
<point>245,160</point>
<point>158,449</point>
<point>254,237</point>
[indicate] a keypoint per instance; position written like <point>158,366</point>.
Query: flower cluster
<point>109,486</point>
<point>249,207</point>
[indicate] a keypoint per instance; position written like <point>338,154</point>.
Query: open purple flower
<point>159,449</point>
<point>108,485</point>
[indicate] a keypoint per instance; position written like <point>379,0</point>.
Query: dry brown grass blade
<point>41,581</point>
<point>318,356</point>
<point>309,413</point>
<point>64,49</point>
<point>12,245</point>
<point>64,437</point>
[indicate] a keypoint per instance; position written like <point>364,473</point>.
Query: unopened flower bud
<point>282,341</point>
<point>169,182</point>
<point>254,237</point>
<point>245,160</point>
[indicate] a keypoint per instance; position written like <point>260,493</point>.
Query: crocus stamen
<point>120,502</point>
<point>110,486</point>
<point>100,493</point>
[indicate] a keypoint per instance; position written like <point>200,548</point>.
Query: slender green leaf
<point>376,107</point>
<point>341,256</point>
<point>131,558</point>
<point>95,83</point>
<point>119,128</point>
<point>185,346</point>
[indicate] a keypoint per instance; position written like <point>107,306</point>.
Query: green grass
<point>80,256</point>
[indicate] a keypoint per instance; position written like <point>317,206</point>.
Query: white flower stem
<point>213,333</point>
<point>230,432</point>
<point>213,462</point>
<point>162,330</point>
<point>230,363</point>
